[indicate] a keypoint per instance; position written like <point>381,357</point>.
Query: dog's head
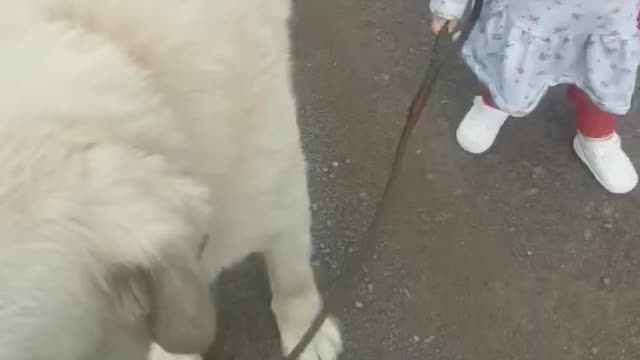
<point>172,297</point>
<point>182,317</point>
<point>157,269</point>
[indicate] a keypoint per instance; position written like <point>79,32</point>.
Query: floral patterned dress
<point>520,48</point>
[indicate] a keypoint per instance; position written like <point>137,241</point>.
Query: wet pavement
<point>514,255</point>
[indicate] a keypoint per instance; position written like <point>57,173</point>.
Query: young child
<point>520,48</point>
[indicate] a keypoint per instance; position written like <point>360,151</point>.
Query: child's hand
<point>437,23</point>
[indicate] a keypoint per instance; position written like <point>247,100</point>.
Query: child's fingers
<point>452,26</point>
<point>437,24</point>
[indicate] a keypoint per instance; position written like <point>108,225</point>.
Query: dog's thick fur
<point>144,147</point>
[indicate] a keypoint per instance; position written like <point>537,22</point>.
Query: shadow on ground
<point>518,254</point>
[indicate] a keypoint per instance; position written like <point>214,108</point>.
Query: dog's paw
<point>326,344</point>
<point>157,353</point>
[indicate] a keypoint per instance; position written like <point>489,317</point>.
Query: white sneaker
<point>608,162</point>
<point>479,128</point>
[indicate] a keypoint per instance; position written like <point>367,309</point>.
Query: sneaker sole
<point>578,150</point>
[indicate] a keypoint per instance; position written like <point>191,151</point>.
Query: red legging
<point>591,121</point>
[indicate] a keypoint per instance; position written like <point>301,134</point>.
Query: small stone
<point>532,191</point>
<point>595,350</point>
<point>363,195</point>
<point>608,212</point>
<point>608,225</point>
<point>370,287</point>
<point>416,338</point>
<point>429,339</point>
<point>419,151</point>
<point>606,281</point>
<point>358,305</point>
<point>332,176</point>
<point>324,169</point>
<point>335,164</point>
<point>529,252</point>
<point>348,161</point>
<point>539,172</point>
<point>589,206</point>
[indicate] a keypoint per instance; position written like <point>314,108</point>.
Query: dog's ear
<point>173,296</point>
<point>182,316</point>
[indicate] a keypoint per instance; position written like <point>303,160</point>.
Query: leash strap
<point>358,260</point>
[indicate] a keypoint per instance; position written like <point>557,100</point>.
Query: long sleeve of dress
<point>448,9</point>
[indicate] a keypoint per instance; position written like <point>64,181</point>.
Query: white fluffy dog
<point>144,147</point>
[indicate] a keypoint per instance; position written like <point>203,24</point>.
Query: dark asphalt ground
<point>514,255</point>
